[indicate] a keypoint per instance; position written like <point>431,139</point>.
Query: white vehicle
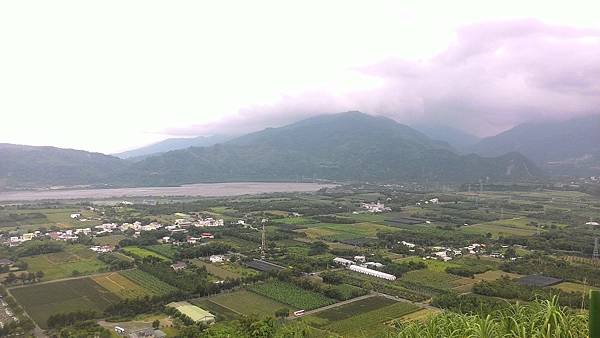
<point>298,313</point>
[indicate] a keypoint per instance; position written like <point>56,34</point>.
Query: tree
<point>11,277</point>
<point>318,248</point>
<point>282,313</point>
<point>156,324</point>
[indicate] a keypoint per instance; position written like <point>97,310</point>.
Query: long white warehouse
<point>372,272</point>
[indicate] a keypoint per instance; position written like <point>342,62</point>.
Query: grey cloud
<point>493,76</point>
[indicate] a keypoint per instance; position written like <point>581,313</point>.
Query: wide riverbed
<point>203,189</point>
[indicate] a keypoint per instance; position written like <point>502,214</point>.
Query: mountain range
<point>172,144</point>
<point>344,146</point>
<point>569,147</point>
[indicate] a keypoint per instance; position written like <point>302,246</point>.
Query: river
<point>201,189</point>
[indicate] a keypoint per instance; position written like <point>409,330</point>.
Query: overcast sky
<point>113,75</point>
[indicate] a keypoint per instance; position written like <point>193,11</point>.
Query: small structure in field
<point>197,314</point>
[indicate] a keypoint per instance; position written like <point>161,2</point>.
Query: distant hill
<point>173,144</point>
<point>345,146</point>
<point>563,147</point>
<point>29,166</point>
<point>458,139</point>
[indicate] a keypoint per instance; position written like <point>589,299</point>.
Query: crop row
<point>291,295</point>
<point>149,282</point>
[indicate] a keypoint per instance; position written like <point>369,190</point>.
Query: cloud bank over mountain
<point>494,75</point>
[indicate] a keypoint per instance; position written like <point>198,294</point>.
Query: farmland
<point>291,295</point>
<point>364,318</point>
<point>120,285</point>
<point>42,300</point>
<point>516,227</point>
<point>245,302</point>
<point>165,250</point>
<point>298,270</point>
<point>225,270</point>
<point>141,252</point>
<point>73,261</point>
<point>148,282</point>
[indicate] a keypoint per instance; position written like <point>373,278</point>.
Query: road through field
<point>306,313</point>
<point>66,279</point>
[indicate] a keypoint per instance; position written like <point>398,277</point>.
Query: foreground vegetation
<point>539,319</point>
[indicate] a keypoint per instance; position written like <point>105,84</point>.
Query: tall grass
<point>539,319</point>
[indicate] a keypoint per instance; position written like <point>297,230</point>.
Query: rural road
<point>306,313</point>
<point>66,279</point>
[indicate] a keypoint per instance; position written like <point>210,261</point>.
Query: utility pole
<point>595,254</point>
<point>263,246</point>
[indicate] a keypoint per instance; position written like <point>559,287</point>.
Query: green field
<point>339,232</point>
<point>225,270</point>
<point>166,250</point>
<point>574,287</point>
<point>506,227</point>
<point>141,252</point>
<point>109,240</point>
<point>292,295</point>
<point>352,309</point>
<point>365,318</point>
<point>436,279</point>
<point>42,300</point>
<point>74,258</point>
<point>244,303</point>
<point>148,282</point>
<point>60,217</point>
<point>121,285</point>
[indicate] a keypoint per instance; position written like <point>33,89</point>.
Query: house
<point>178,266</point>
<point>434,200</point>
<point>102,248</point>
<point>360,259</point>
<point>410,245</point>
<point>217,258</point>
<point>85,231</point>
<point>375,207</point>
<point>374,264</point>
<point>5,261</point>
<point>343,261</point>
<point>193,240</point>
<point>27,237</point>
<point>592,223</point>
<point>207,235</point>
<point>147,333</point>
<point>75,216</point>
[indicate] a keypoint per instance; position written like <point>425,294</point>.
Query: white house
<point>375,207</point>
<point>74,216</point>
<point>217,258</point>
<point>360,259</point>
<point>343,261</point>
<point>410,245</point>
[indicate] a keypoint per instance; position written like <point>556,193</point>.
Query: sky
<point>109,76</point>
